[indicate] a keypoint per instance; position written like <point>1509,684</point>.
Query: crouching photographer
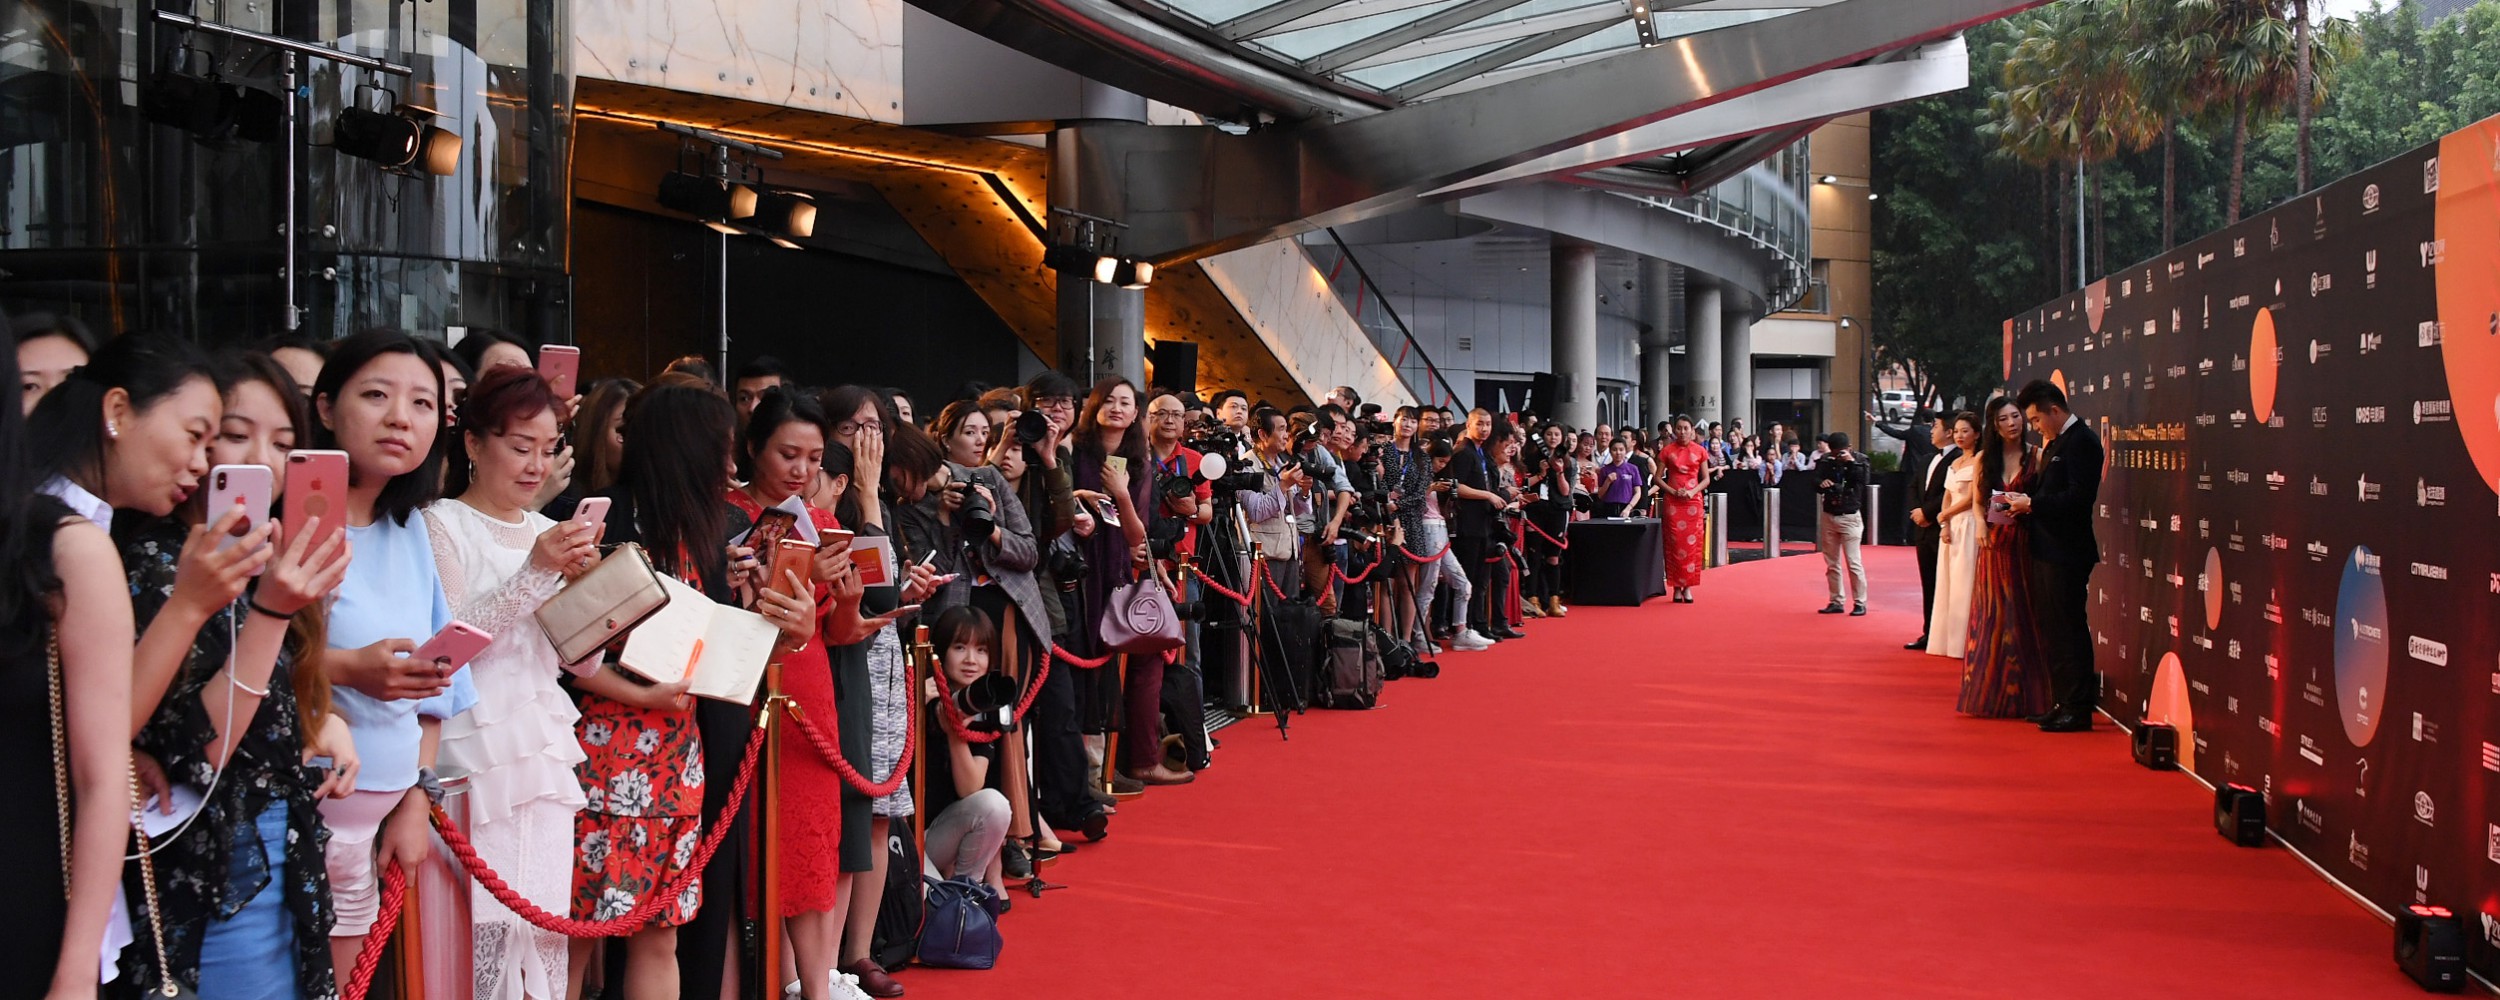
<point>969,708</point>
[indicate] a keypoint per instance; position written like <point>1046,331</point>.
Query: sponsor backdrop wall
<point>2300,523</point>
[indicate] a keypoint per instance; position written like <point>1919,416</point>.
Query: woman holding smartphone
<point>380,401</point>
<point>242,885</point>
<point>784,449</point>
<point>499,560</point>
<point>1111,471</point>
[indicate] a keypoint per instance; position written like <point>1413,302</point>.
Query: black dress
<point>34,882</point>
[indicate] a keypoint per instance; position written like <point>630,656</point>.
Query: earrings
<point>111,431</point>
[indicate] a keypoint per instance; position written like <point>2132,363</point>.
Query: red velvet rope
<point>830,749</point>
<point>954,718</point>
<point>1549,539</point>
<point>1352,580</point>
<point>1272,588</point>
<point>368,958</point>
<point>1433,558</point>
<point>1074,660</point>
<point>1234,596</point>
<point>645,909</point>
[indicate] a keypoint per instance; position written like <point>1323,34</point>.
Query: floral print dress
<point>642,783</point>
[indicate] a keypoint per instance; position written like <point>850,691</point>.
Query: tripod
<point>1241,559</point>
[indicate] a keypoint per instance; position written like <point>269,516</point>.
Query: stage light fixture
<point>789,214</point>
<point>1827,179</point>
<point>714,200</point>
<point>1133,274</point>
<point>2430,948</point>
<point>211,109</point>
<point>2240,815</point>
<point>2156,746</point>
<point>403,140</point>
<point>1080,261</point>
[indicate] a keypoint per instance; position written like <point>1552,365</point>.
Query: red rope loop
<point>1366,574</point>
<point>1074,660</point>
<point>1433,558</point>
<point>368,958</point>
<point>1229,594</point>
<point>645,909</point>
<point>830,749</point>
<point>1549,539</point>
<point>959,727</point>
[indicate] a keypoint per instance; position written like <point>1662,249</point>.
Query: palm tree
<point>2255,57</point>
<point>2066,93</point>
<point>2171,59</point>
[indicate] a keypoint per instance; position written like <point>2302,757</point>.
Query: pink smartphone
<point>454,646</point>
<point>247,486</point>
<point>593,511</point>
<point>316,486</point>
<point>561,366</point>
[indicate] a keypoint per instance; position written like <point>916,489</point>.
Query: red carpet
<point>1737,798</point>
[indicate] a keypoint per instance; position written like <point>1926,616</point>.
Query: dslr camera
<point>988,705</point>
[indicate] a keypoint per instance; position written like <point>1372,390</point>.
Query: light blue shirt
<point>392,591</point>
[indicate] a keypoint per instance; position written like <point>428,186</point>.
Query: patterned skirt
<point>2003,675</point>
<point>644,782</point>
<point>1687,532</point>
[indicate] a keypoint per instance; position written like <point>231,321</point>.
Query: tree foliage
<point>1967,235</point>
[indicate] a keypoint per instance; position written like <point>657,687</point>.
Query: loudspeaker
<point>1175,363</point>
<point>2430,947</point>
<point>1544,394</point>
<point>2240,815</point>
<point>2157,746</point>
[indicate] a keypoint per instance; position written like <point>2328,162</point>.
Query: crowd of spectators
<point>276,675</point>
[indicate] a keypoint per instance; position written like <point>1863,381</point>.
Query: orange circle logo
<point>2262,367</point>
<point>2468,230</point>
<point>2058,378</point>
<point>2169,706</point>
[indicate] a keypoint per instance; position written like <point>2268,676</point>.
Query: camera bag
<point>1353,666</point>
<point>1290,646</point>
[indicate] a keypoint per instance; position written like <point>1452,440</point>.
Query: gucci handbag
<point>1139,618</point>
<point>601,605</point>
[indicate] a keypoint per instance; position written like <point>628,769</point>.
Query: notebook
<point>721,648</point>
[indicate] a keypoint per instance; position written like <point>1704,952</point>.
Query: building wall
<point>1843,237</point>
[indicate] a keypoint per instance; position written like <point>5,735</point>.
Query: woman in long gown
<point>1684,472</point>
<point>2003,675</point>
<point>1957,539</point>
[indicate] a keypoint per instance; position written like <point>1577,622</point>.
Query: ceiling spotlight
<point>1133,274</point>
<point>784,213</point>
<point>1872,196</point>
<point>1827,179</point>
<point>1077,260</point>
<point>403,140</point>
<point>711,199</point>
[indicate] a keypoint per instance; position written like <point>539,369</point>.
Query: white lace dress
<point>516,748</point>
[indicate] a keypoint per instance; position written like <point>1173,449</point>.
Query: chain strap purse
<point>168,986</point>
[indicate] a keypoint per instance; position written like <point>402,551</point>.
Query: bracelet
<point>231,678</point>
<point>258,610</point>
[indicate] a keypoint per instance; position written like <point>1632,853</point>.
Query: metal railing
<point>1394,339</point>
<point>1763,208</point>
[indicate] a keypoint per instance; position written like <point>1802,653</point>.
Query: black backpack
<point>1352,664</point>
<point>1397,659</point>
<point>899,917</point>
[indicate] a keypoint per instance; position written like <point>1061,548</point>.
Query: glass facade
<point>130,224</point>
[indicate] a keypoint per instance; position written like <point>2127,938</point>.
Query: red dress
<point>811,830</point>
<point>1680,467</point>
<point>642,777</point>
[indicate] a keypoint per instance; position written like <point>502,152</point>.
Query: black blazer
<point>2062,499</point>
<point>1927,492</point>
<point>1469,466</point>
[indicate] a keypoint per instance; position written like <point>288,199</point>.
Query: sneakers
<point>1469,641</point>
<point>843,986</point>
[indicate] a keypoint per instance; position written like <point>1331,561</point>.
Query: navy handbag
<point>960,928</point>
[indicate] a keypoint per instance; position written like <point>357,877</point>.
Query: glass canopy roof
<point>1412,50</point>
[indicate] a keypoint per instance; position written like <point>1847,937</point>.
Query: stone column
<point>1102,328</point>
<point>1657,348</point>
<point>1573,312</point>
<point>1701,347</point>
<point>1736,364</point>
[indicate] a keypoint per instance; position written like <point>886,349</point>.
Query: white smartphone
<point>593,511</point>
<point>247,486</point>
<point>454,646</point>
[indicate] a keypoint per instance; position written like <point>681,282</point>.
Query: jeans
<point>251,955</point>
<point>1839,541</point>
<point>966,837</point>
<point>1445,570</point>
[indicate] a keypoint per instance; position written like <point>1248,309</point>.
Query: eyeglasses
<point>1164,414</point>
<point>1056,402</point>
<point>850,427</point>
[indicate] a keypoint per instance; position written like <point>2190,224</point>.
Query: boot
<point>1554,607</point>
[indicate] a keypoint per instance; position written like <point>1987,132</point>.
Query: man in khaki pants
<point>1840,477</point>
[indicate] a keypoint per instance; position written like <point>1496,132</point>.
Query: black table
<point>1618,562</point>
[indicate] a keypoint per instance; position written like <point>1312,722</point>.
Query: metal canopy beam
<point>1504,56</point>
<point>1412,31</point>
<point>1275,15</point>
<point>1190,191</point>
<point>1931,69</point>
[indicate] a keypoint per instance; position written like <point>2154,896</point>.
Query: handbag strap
<point>166,984</point>
<point>60,745</point>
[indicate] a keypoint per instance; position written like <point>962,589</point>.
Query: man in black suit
<point>2057,518</point>
<point>1926,499</point>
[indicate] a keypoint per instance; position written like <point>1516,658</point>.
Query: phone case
<point>792,555</point>
<point>249,485</point>
<point>561,366</point>
<point>593,510</point>
<point>456,644</point>
<point>316,486</point>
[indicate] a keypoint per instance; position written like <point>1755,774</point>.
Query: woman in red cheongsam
<point>1683,473</point>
